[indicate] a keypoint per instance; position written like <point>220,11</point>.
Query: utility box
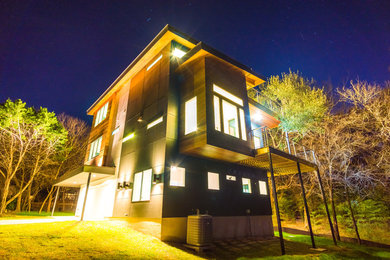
<point>199,230</point>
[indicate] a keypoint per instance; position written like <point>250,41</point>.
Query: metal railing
<point>263,137</point>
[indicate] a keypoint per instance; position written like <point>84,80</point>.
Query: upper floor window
<point>142,185</point>
<point>155,122</point>
<point>154,62</point>
<point>94,149</point>
<point>190,116</point>
<point>101,114</point>
<point>229,108</point>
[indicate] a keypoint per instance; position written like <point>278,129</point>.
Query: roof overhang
<point>166,35</point>
<point>202,49</point>
<point>79,176</point>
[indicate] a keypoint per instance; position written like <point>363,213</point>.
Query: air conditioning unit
<point>199,230</point>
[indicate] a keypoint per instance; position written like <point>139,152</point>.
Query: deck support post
<point>55,201</point>
<point>306,206</point>
<point>326,205</point>
<point>271,170</point>
<point>85,197</point>
<point>288,143</point>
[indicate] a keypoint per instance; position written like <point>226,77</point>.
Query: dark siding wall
<point>233,81</point>
<point>228,201</point>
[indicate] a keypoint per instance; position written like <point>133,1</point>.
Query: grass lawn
<point>33,214</point>
<point>115,239</point>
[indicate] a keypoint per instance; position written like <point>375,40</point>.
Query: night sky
<point>63,54</point>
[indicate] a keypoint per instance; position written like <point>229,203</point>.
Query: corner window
<point>246,185</point>
<point>142,186</point>
<point>178,177</point>
<point>190,116</point>
<point>213,181</point>
<point>231,112</point>
<point>263,188</point>
<point>101,114</point>
<point>94,149</point>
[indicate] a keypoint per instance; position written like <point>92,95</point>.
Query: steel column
<point>55,201</point>
<point>271,170</point>
<point>326,205</point>
<point>85,197</point>
<point>306,207</point>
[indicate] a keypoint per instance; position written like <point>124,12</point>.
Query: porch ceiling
<point>79,176</point>
<point>283,163</point>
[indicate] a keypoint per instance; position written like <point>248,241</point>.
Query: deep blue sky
<point>63,54</point>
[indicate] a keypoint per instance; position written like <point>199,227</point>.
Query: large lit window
<point>230,119</point>
<point>263,188</point>
<point>246,185</point>
<point>142,186</point>
<point>190,116</point>
<point>101,114</point>
<point>178,176</point>
<point>232,114</point>
<point>94,149</point>
<point>213,181</point>
<point>257,142</point>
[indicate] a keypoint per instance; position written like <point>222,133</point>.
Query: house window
<point>95,148</point>
<point>178,176</point>
<point>190,116</point>
<point>142,186</point>
<point>263,188</point>
<point>231,112</point>
<point>246,185</point>
<point>101,114</point>
<point>213,181</point>
<point>155,122</point>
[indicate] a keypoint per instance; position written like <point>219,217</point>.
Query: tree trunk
<point>4,196</point>
<point>29,197</point>
<point>335,224</point>
<point>353,216</point>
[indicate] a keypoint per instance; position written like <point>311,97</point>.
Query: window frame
<point>220,118</point>
<point>93,148</point>
<point>175,168</point>
<point>260,182</point>
<point>101,114</point>
<point>210,175</point>
<point>142,186</point>
<point>188,127</point>
<point>249,185</point>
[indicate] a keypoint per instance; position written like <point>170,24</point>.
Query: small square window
<point>230,178</point>
<point>246,185</point>
<point>178,177</point>
<point>263,188</point>
<point>213,181</point>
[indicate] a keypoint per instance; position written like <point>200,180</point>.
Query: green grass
<point>43,213</point>
<point>116,239</point>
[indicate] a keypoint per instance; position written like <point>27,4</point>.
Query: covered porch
<point>278,163</point>
<point>102,180</point>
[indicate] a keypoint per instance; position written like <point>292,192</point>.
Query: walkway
<point>37,220</point>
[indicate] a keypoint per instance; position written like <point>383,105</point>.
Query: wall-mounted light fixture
<point>120,186</point>
<point>157,178</point>
<point>127,185</point>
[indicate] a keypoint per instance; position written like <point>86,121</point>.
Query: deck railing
<point>263,137</point>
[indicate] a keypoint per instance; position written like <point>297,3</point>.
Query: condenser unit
<point>199,230</point>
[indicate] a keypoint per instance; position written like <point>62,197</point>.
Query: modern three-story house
<point>175,134</point>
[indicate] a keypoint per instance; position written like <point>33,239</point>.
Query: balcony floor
<point>283,163</point>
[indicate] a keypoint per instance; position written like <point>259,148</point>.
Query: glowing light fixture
<point>130,136</point>
<point>227,95</point>
<point>258,117</point>
<point>155,122</point>
<point>154,63</point>
<point>178,53</point>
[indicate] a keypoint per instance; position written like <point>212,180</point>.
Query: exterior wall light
<point>120,186</point>
<point>157,178</point>
<point>178,53</point>
<point>127,185</point>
